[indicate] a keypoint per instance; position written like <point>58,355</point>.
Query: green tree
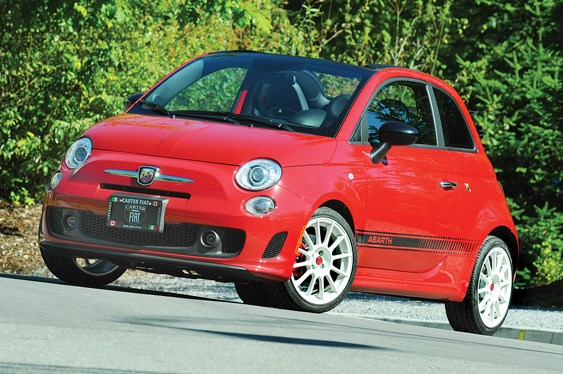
<point>509,67</point>
<point>409,33</point>
<point>66,65</point>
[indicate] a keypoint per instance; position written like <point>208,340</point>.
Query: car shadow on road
<point>162,323</point>
<point>40,279</point>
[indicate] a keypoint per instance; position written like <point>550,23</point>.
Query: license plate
<point>137,213</point>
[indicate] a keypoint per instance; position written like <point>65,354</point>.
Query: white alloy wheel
<point>324,268</point>
<point>487,300</point>
<point>81,271</point>
<point>495,287</point>
<point>95,267</point>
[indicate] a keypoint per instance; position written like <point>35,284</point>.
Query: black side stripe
<point>419,243</point>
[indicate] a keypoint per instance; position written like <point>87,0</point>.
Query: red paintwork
<point>212,142</point>
<point>403,196</point>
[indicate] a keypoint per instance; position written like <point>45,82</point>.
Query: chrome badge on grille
<point>146,175</point>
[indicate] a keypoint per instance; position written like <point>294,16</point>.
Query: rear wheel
<point>82,271</point>
<point>324,269</point>
<point>488,297</point>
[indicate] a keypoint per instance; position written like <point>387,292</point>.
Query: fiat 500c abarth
<point>297,179</point>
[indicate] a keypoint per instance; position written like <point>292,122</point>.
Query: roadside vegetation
<point>65,65</point>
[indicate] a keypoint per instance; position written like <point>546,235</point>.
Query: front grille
<point>275,245</point>
<point>94,226</point>
<point>234,241</point>
<point>184,238</point>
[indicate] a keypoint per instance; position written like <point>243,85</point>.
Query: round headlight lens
<point>258,174</point>
<point>78,153</point>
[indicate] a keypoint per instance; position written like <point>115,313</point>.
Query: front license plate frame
<point>135,212</point>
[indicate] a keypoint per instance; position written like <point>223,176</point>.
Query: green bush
<point>511,74</point>
<point>66,65</point>
<point>75,62</point>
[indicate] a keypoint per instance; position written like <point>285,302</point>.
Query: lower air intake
<point>275,245</point>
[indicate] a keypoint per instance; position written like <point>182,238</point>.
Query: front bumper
<point>257,248</point>
<point>158,264</point>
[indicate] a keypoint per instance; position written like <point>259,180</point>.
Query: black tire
<point>253,293</point>
<point>488,296</point>
<point>82,272</point>
<point>322,276</point>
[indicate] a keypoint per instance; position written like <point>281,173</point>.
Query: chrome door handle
<point>448,185</point>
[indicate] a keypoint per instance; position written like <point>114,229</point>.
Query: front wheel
<point>82,271</point>
<point>488,296</point>
<point>252,293</point>
<point>324,268</point>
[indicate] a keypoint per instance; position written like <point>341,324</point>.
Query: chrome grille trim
<point>158,177</point>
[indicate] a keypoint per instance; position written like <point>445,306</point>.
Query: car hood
<point>208,141</point>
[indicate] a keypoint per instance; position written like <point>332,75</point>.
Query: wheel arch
<point>507,236</point>
<point>342,209</point>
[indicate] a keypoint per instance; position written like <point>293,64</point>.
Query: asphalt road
<point>48,327</point>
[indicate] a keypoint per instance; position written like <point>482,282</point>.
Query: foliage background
<point>66,64</point>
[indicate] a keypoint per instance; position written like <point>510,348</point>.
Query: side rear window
<point>456,132</point>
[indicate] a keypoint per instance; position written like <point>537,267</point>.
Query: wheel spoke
<point>487,266</point>
<point>298,265</point>
<point>483,290</point>
<point>304,253</point>
<point>328,234</point>
<point>503,299</point>
<point>312,285</point>
<point>336,243</point>
<point>317,227</point>
<point>308,241</point>
<point>338,271</point>
<point>496,310</point>
<point>494,262</point>
<point>321,293</point>
<point>302,278</point>
<point>483,304</point>
<point>341,256</point>
<point>332,284</point>
<point>506,272</point>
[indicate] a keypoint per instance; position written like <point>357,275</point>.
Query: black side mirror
<point>132,100</point>
<point>392,133</point>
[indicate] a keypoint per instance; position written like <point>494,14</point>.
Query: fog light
<point>260,206</point>
<point>69,221</point>
<point>55,180</point>
<point>209,238</point>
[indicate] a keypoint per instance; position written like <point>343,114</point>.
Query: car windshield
<point>256,89</point>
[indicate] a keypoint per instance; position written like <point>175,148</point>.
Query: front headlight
<point>78,153</point>
<point>258,174</point>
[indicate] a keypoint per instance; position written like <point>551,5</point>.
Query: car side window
<point>456,132</point>
<point>406,102</point>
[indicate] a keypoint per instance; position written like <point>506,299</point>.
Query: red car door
<point>411,205</point>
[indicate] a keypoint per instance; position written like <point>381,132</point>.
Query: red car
<point>297,179</point>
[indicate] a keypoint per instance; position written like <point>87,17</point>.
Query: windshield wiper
<point>157,108</point>
<point>233,118</point>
